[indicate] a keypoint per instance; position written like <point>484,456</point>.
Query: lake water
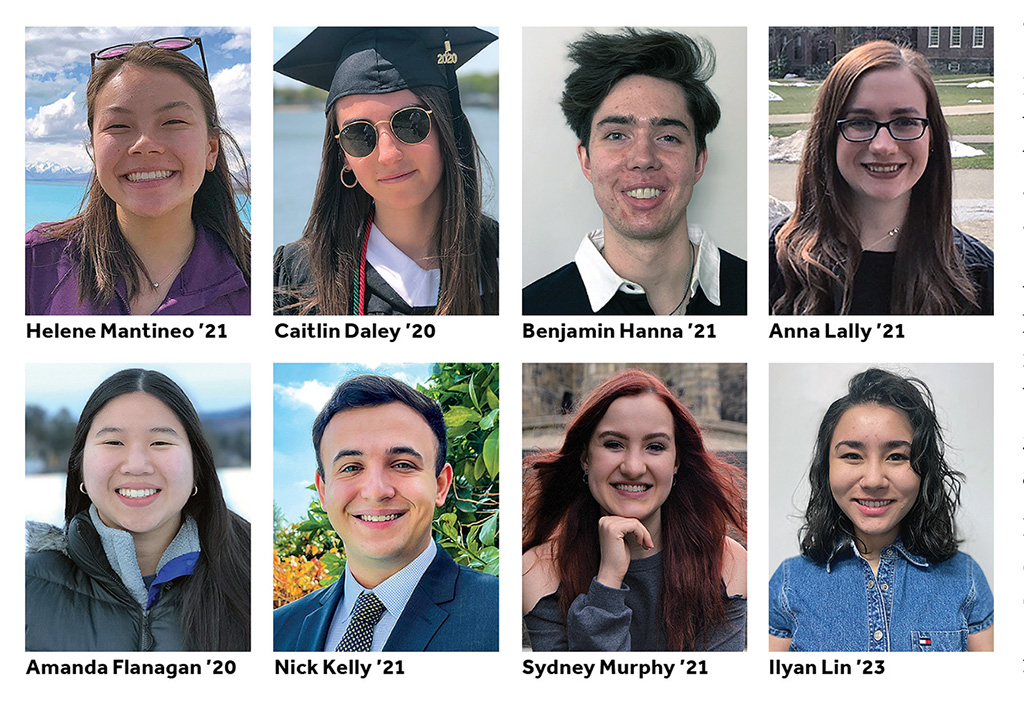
<point>46,202</point>
<point>298,140</point>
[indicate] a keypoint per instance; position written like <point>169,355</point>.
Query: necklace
<point>895,231</point>
<point>689,281</point>
<point>156,282</point>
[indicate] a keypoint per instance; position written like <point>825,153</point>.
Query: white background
<point>487,679</point>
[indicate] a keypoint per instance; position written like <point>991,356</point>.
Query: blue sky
<point>486,62</point>
<point>57,69</point>
<point>212,387</point>
<point>300,391</point>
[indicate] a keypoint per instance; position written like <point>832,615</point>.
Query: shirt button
<point>878,635</point>
<point>888,552</point>
<point>885,587</point>
<point>871,584</point>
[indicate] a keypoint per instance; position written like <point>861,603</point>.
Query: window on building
<point>933,36</point>
<point>954,37</point>
<point>979,37</point>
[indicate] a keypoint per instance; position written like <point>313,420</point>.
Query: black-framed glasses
<point>865,129</point>
<point>410,125</point>
<point>174,44</point>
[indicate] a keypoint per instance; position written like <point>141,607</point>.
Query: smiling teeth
<point>636,488</point>
<point>379,519</point>
<point>136,493</point>
<point>148,176</point>
<point>645,193</point>
<point>883,168</point>
<point>873,504</point>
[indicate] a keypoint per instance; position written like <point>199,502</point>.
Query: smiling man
<point>639,104</point>
<point>381,471</point>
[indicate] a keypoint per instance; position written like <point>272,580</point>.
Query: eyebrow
<point>907,110</point>
<point>120,430</point>
<point>856,444</point>
<point>659,122</point>
<point>622,435</point>
<point>165,107</point>
<point>392,451</point>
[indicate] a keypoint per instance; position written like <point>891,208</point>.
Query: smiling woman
<point>150,557</point>
<point>872,230</point>
<point>624,540</point>
<point>879,568</point>
<point>396,224</point>
<point>159,232</point>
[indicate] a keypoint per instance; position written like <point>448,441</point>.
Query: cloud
<point>60,119</point>
<point>312,394</point>
<point>232,88</point>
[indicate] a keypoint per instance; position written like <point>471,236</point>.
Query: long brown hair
<point>559,507</point>
<point>105,255</point>
<point>467,240</point>
<point>818,251</point>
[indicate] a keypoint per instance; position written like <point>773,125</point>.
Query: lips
<point>401,176</point>
<point>379,516</point>
<point>631,488</point>
<point>137,493</point>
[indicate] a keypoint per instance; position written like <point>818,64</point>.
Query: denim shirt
<point>911,605</point>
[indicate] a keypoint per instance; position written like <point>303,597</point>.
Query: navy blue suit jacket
<point>453,608</point>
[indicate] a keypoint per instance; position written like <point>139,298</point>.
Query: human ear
<point>444,482</point>
<point>584,157</point>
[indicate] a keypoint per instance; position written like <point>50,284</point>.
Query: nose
<point>146,144</point>
<point>874,476</point>
<point>633,464</point>
<point>389,148</point>
<point>643,153</point>
<point>883,142</point>
<point>376,484</point>
<point>137,462</point>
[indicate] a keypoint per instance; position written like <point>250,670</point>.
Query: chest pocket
<point>939,641</point>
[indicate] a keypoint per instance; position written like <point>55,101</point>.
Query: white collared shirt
<point>601,282</point>
<point>418,287</point>
<point>394,592</point>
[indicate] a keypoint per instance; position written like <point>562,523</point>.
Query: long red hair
<point>702,504</point>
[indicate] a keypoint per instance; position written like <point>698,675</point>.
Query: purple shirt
<point>209,282</point>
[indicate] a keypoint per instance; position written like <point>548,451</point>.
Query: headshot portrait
<point>634,507</point>
<point>890,208</point>
<point>881,498</point>
<point>383,138</point>
<point>136,170</point>
<point>396,549</point>
<point>136,504</point>
<point>633,192</point>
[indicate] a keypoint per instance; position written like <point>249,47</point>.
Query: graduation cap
<point>346,61</point>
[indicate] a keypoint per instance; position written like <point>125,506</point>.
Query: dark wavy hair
<point>214,600</point>
<point>467,239</point>
<point>818,251</point>
<point>559,507</point>
<point>372,391</point>
<point>106,257</point>
<point>929,529</point>
<point>602,60</point>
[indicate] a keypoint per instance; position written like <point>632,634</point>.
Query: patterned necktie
<point>359,634</point>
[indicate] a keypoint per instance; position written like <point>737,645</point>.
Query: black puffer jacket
<point>74,601</point>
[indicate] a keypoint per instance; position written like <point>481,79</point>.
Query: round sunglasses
<point>174,44</point>
<point>410,125</point>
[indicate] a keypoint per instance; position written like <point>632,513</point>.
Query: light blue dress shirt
<point>393,592</point>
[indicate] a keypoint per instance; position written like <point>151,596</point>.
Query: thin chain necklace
<point>893,232</point>
<point>175,269</point>
<point>689,280</point>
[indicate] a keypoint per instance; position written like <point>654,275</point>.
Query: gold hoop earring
<point>195,490</point>
<point>355,180</point>
<point>81,487</point>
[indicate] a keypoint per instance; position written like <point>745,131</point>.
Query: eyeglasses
<point>410,125</point>
<point>865,129</point>
<point>174,44</point>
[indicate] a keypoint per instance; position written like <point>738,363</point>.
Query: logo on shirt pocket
<point>939,641</point>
